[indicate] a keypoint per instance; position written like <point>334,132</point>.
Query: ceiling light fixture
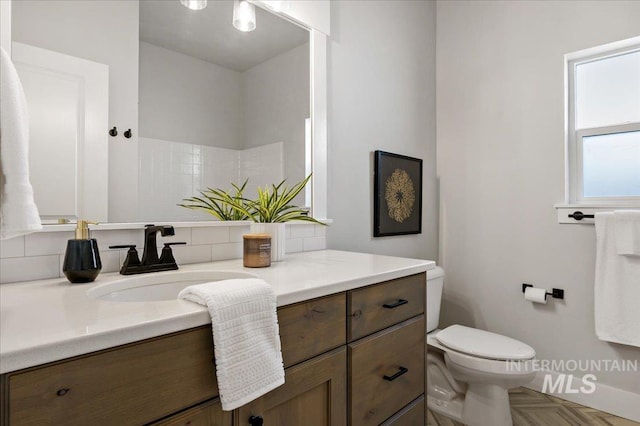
<point>244,15</point>
<point>194,4</point>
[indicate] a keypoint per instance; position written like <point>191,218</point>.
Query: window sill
<point>564,210</point>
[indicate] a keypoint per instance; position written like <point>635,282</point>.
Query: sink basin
<point>158,286</point>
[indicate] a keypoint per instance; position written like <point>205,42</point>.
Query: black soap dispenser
<point>82,259</point>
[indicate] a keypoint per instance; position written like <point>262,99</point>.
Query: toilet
<point>469,371</point>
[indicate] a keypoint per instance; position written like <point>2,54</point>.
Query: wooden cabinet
<point>378,306</point>
<point>353,358</point>
<point>386,350</point>
<point>139,382</point>
<point>206,414</point>
<point>312,327</point>
<point>314,394</point>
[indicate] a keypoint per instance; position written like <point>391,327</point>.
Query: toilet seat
<point>475,343</point>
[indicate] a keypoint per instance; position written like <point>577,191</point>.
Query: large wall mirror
<point>207,105</point>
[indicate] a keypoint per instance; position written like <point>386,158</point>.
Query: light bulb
<point>244,15</point>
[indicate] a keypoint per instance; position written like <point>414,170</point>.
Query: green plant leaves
<point>272,205</point>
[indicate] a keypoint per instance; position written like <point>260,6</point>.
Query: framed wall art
<point>397,198</point>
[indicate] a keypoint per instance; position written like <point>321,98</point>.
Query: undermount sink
<point>158,286</point>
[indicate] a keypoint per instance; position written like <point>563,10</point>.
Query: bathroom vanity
<point>352,328</point>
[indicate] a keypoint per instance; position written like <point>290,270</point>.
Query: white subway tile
<point>226,251</point>
<point>236,233</point>
<point>210,235</point>
<point>13,247</point>
<point>303,231</point>
<point>314,243</point>
<point>44,243</point>
<point>321,230</point>
<point>29,268</point>
<point>293,245</point>
<point>192,254</point>
<point>117,237</point>
<point>181,235</point>
<point>110,260</point>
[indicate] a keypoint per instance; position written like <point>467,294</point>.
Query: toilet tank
<point>435,282</point>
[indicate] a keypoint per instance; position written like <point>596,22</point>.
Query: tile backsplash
<point>40,255</point>
<point>171,171</point>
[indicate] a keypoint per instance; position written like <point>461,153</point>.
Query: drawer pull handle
<point>399,373</point>
<point>63,391</point>
<point>256,421</point>
<point>400,302</point>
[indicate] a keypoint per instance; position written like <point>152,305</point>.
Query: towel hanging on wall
<point>617,287</point>
<point>18,212</point>
<point>627,226</point>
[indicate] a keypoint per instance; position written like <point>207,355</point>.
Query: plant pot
<point>278,237</point>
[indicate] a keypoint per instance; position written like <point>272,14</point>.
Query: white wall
<point>185,99</point>
<point>381,96</point>
<point>104,31</point>
<point>276,104</point>
<point>501,167</point>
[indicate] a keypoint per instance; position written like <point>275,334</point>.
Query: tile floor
<point>530,408</point>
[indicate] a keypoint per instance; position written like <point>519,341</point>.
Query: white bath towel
<point>18,212</point>
<point>627,224</point>
<point>617,287</point>
<point>246,337</point>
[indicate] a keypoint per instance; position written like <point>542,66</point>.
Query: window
<point>603,125</point>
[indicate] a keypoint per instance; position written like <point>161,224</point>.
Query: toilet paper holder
<point>556,293</point>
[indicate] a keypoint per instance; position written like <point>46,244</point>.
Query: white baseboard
<point>605,398</point>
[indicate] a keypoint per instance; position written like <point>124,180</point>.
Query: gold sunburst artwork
<point>397,201</point>
<point>399,195</point>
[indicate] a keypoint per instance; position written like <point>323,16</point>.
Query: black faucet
<point>150,253</point>
<point>150,261</point>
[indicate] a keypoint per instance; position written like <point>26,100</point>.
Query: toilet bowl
<point>469,371</point>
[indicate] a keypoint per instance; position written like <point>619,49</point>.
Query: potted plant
<point>268,212</point>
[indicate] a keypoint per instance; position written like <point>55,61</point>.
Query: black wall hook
<point>127,133</point>
<point>113,132</point>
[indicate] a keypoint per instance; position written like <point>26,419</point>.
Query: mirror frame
<point>314,16</point>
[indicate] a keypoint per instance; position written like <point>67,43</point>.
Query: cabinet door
<point>206,414</point>
<point>314,394</point>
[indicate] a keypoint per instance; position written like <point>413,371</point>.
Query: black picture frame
<point>397,195</point>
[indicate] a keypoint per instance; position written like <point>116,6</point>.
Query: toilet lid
<point>484,344</point>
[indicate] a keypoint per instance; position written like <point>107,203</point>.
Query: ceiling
<point>209,35</point>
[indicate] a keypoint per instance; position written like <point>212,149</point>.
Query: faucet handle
<point>167,253</point>
<point>132,258</point>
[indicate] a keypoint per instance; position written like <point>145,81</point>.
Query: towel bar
<point>578,215</point>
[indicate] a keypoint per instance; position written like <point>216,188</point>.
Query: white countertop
<point>48,320</point>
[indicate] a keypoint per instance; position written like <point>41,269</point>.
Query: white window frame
<point>574,198</point>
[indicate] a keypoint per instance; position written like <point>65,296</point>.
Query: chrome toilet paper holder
<point>556,293</point>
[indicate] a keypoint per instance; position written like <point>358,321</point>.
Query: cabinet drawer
<point>411,415</point>
<point>310,328</point>
<point>205,414</point>
<point>375,307</point>
<point>138,382</point>
<point>386,371</point>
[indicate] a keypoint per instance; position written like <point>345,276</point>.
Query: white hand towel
<point>18,212</point>
<point>617,287</point>
<point>246,337</point>
<point>627,223</point>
